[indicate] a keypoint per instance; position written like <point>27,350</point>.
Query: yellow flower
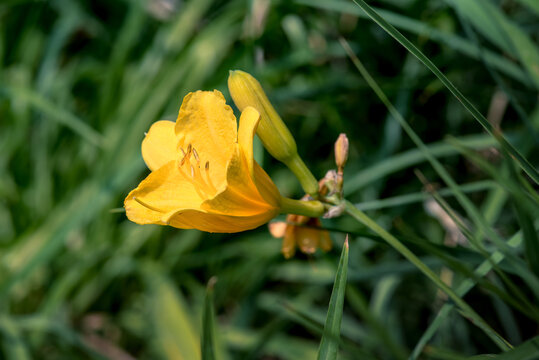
<point>203,172</point>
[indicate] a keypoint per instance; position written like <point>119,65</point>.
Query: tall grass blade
<point>526,351</point>
<point>329,346</point>
<point>521,160</point>
<point>467,311</point>
<point>208,324</point>
<point>474,214</point>
<point>461,290</point>
<point>495,26</point>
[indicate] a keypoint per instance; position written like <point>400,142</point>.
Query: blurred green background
<point>80,83</point>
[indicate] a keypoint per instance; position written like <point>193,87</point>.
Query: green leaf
<point>329,345</point>
<point>425,31</point>
<point>208,324</point>
<point>521,160</point>
<point>496,27</point>
<point>362,218</point>
<point>174,334</point>
<point>526,351</point>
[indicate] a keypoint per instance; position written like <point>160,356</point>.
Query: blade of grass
<point>496,27</point>
<point>53,112</point>
<point>526,351</point>
<point>409,158</point>
<point>523,163</point>
<point>12,342</point>
<point>422,196</point>
<point>329,346</point>
<point>471,210</point>
<point>208,323</point>
<point>501,83</point>
<point>467,311</point>
<point>461,290</point>
<point>423,30</point>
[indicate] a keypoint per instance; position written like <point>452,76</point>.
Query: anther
<point>207,166</point>
<point>183,151</point>
<point>192,172</point>
<point>196,155</point>
<point>189,148</point>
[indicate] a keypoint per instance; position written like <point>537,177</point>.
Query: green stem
<point>303,174</point>
<point>404,251</point>
<point>312,208</point>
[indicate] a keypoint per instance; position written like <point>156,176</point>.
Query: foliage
<point>442,260</point>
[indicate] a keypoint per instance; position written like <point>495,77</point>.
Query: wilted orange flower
<point>203,172</point>
<point>302,232</point>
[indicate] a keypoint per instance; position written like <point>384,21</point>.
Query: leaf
<point>526,351</point>
<point>329,345</point>
<point>174,333</point>
<point>496,27</point>
<point>521,160</point>
<point>208,324</point>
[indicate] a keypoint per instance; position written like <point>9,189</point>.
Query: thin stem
<point>312,208</point>
<point>404,251</point>
<point>303,174</point>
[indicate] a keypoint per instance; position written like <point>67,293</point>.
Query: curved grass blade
<point>423,30</point>
<point>523,163</point>
<point>472,212</point>
<point>409,158</point>
<point>54,112</point>
<point>526,351</point>
<point>329,346</point>
<point>208,324</point>
<point>495,26</point>
<point>467,311</point>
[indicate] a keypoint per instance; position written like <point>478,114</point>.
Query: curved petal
<point>248,123</point>
<point>208,124</point>
<point>218,223</point>
<point>241,197</point>
<point>266,187</point>
<point>159,145</point>
<point>164,191</point>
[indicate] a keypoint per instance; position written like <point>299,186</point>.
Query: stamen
<point>183,151</point>
<point>208,177</point>
<point>192,172</point>
<point>189,148</point>
<point>147,206</point>
<point>196,155</point>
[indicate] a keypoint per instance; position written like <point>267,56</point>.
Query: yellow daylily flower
<point>203,172</point>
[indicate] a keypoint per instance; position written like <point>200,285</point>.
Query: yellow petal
<point>217,223</point>
<point>248,123</point>
<point>277,229</point>
<point>208,124</point>
<point>241,197</point>
<point>164,191</point>
<point>159,145</point>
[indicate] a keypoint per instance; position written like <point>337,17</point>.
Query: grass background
<point>80,82</point>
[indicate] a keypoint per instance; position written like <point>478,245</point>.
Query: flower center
<point>189,165</point>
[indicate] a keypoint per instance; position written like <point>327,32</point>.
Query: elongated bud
<point>277,139</point>
<point>272,131</point>
<point>341,152</point>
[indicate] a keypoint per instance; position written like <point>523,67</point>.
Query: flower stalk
<point>310,208</point>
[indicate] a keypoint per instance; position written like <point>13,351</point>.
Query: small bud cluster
<point>331,185</point>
